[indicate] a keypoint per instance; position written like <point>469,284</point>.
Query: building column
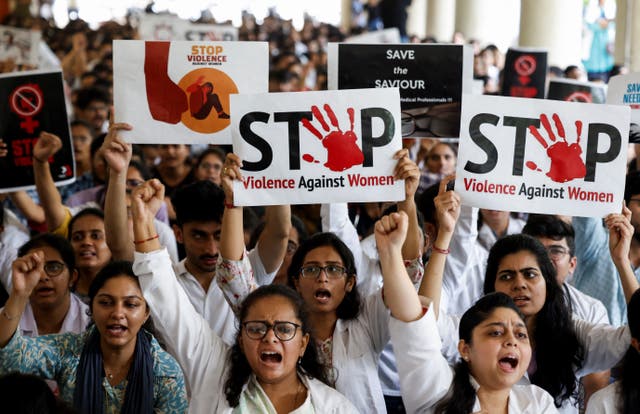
<point>441,18</point>
<point>345,16</point>
<point>555,26</point>
<point>417,18</point>
<point>477,19</point>
<point>635,37</point>
<point>623,38</point>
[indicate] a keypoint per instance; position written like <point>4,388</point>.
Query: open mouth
<point>44,291</point>
<point>87,254</point>
<point>322,295</point>
<point>270,356</point>
<point>116,329</point>
<point>521,300</point>
<point>508,363</point>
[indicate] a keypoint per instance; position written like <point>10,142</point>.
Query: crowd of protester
<point>141,287</point>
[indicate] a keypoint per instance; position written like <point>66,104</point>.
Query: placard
<point>570,90</point>
<point>625,90</point>
<point>431,78</point>
<point>178,92</point>
<point>19,46</point>
<point>317,147</point>
<point>525,73</point>
<point>171,27</point>
<point>541,156</point>
<point>34,103</point>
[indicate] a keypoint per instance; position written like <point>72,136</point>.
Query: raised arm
<point>32,211</point>
<point>54,211</point>
<point>620,235</point>
<point>26,275</point>
<point>408,171</point>
<point>231,234</point>
<point>447,212</point>
<point>399,294</point>
<point>272,244</point>
<point>117,154</point>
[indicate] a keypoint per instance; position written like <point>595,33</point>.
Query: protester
<point>115,366</point>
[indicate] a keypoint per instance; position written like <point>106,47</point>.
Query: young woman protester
<point>114,367</point>
<point>351,331</point>
<point>623,396</point>
<point>565,349</point>
<point>272,367</point>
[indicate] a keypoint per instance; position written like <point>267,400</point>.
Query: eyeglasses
<point>557,252</point>
<point>53,268</point>
<point>210,166</point>
<point>284,331</point>
<point>332,271</point>
<point>434,123</point>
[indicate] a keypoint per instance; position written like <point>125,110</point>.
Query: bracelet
<point>147,240</point>
<point>228,205</point>
<point>6,315</point>
<point>439,250</point>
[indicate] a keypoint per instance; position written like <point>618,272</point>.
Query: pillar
<point>623,32</point>
<point>553,25</point>
<point>417,18</point>
<point>477,19</point>
<point>345,16</point>
<point>441,17</point>
<point>635,37</point>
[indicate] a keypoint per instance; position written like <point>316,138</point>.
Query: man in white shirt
<point>558,237</point>
<point>199,208</point>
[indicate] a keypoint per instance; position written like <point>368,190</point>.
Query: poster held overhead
<point>431,78</point>
<point>317,147</point>
<point>542,156</point>
<point>178,92</point>
<point>625,90</point>
<point>525,73</point>
<point>34,103</point>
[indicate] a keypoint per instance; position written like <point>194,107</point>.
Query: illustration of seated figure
<point>202,99</point>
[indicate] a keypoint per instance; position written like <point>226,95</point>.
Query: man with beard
<point>199,208</point>
<point>595,273</point>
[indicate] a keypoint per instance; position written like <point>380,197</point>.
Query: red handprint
<point>566,161</point>
<point>342,150</point>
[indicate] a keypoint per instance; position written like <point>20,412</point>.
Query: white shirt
<point>606,400</point>
<point>11,239</point>
<point>425,375</point>
<point>584,306</point>
<point>487,238</point>
<point>604,346</point>
<point>76,320</point>
<point>202,355</point>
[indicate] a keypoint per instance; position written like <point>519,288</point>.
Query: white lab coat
<point>606,400</point>
<point>201,353</point>
<point>425,375</point>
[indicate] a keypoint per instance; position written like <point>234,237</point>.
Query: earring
<point>299,360</point>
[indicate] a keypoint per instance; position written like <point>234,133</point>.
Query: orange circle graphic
<point>207,92</point>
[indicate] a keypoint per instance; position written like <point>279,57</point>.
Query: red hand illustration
<point>167,101</point>
<point>342,150</point>
<point>566,161</point>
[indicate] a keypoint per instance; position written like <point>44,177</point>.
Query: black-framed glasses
<point>283,330</point>
<point>434,122</point>
<point>333,271</point>
<point>53,268</point>
<point>557,252</point>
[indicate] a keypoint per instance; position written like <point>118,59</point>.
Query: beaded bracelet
<point>144,241</point>
<point>439,250</point>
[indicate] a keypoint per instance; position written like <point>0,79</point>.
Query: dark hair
<point>462,395</point>
<point>27,394</point>
<point>112,269</point>
<point>349,308</point>
<point>85,124</point>
<point>425,204</point>
<point>629,379</point>
<point>142,169</point>
<point>198,201</point>
<point>557,349</point>
<point>240,370</point>
<point>85,96</point>
<point>296,222</point>
<point>96,144</point>
<point>551,227</point>
<point>569,69</point>
<point>56,242</point>
<point>210,151</point>
<point>90,211</point>
<point>632,185</point>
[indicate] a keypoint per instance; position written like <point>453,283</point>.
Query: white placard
<point>178,92</point>
<point>625,90</point>
<point>317,147</point>
<point>21,46</point>
<point>542,156</point>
